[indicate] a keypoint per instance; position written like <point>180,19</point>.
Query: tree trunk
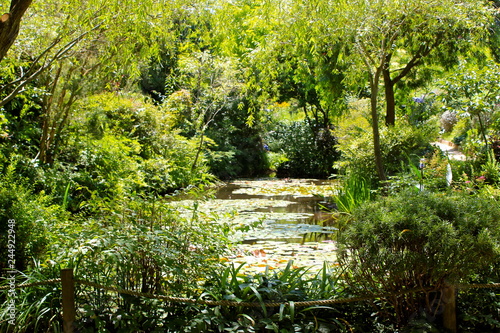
<point>482,130</point>
<point>198,152</point>
<point>379,164</point>
<point>390,114</point>
<point>10,24</point>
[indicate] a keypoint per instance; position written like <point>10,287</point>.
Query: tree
<point>281,64</point>
<point>495,32</point>
<point>445,31</point>
<point>10,24</point>
<point>473,92</point>
<point>376,43</point>
<point>213,85</point>
<point>241,29</point>
<point>71,52</point>
<point>387,34</point>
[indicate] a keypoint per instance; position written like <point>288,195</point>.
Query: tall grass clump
<point>38,309</point>
<point>354,191</point>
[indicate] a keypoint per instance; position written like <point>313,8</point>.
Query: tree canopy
<point>382,42</point>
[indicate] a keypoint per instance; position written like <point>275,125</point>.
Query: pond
<point>277,220</point>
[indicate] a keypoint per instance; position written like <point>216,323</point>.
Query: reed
<point>355,190</point>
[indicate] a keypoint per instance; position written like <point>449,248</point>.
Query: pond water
<point>290,211</point>
<point>277,220</point>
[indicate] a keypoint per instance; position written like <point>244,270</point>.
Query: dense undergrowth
<point>406,240</point>
<point>104,122</point>
<point>102,208</point>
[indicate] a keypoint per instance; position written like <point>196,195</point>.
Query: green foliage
<point>129,115</point>
<point>477,309</point>
<point>18,133</point>
<point>471,91</point>
<point>37,309</point>
<point>287,285</point>
<point>491,169</point>
<point>123,144</point>
<point>139,245</point>
<point>34,216</point>
<point>421,110</point>
<point>310,150</point>
<point>430,173</point>
<point>109,166</point>
<point>237,149</point>
<point>418,240</point>
<point>80,139</point>
<point>275,160</point>
<point>353,192</point>
<point>398,143</point>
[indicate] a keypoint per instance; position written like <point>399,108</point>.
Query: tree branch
<point>10,24</point>
<point>29,76</point>
<point>423,52</point>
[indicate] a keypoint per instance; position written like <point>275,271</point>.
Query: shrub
<point>309,152</point>
<point>448,120</point>
<point>353,192</point>
<point>275,160</point>
<point>478,308</point>
<point>421,110</point>
<point>33,215</point>
<point>120,145</point>
<point>397,144</point>
<point>422,241</point>
<point>235,148</point>
<point>106,168</point>
<point>131,116</point>
<point>160,252</point>
<point>140,245</point>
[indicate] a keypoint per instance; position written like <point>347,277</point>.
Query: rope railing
<point>68,282</point>
<point>234,303</point>
<point>478,285</point>
<point>246,304</point>
<point>32,284</point>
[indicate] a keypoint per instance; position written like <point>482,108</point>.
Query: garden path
<point>449,149</point>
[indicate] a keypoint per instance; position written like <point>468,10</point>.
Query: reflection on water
<point>299,217</point>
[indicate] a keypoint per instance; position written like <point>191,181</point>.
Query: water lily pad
<point>274,221</point>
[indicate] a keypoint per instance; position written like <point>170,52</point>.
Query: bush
<point>307,153</point>
<point>478,308</point>
<point>140,245</point>
<point>418,241</point>
<point>33,215</point>
<point>131,116</point>
<point>397,143</point>
<point>120,145</point>
<point>421,110</point>
<point>235,148</point>
<point>109,166</point>
<point>448,120</point>
<point>38,309</point>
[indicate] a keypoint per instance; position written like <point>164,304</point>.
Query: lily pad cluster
<point>273,222</point>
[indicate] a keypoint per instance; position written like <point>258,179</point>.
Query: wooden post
<point>450,308</point>
<point>68,299</point>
